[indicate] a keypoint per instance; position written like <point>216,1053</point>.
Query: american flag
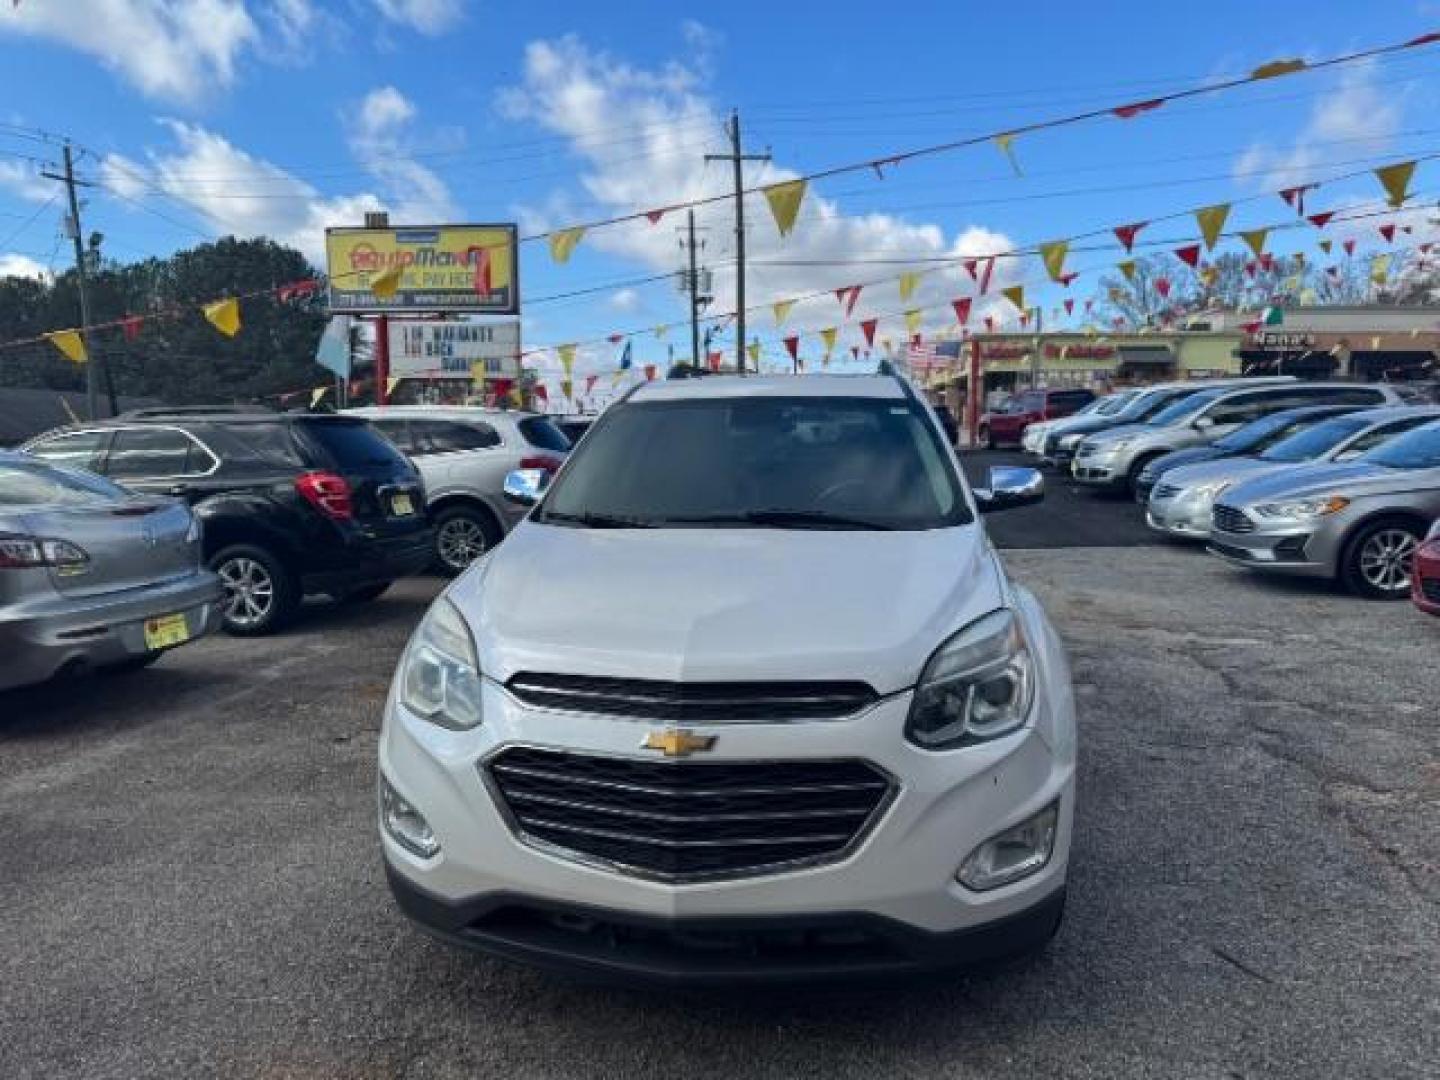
<point>922,358</point>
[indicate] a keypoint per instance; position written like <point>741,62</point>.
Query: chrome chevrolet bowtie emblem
<point>677,742</point>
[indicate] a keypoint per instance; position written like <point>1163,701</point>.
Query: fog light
<point>1018,852</point>
<point>406,825</point>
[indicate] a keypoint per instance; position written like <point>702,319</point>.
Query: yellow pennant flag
<point>754,350</point>
<point>387,284</point>
<point>615,378</point>
<point>390,384</point>
<point>908,281</point>
<point>1211,221</point>
<point>1380,269</point>
<point>564,242</point>
<point>661,331</point>
<point>318,395</point>
<point>1275,68</point>
<point>785,199</point>
<point>567,359</point>
<point>1255,240</point>
<point>781,309</point>
<point>1006,143</point>
<point>1016,295</point>
<point>1054,256</point>
<point>1325,245</point>
<point>71,344</point>
<point>1127,268</point>
<point>828,337</point>
<point>567,389</point>
<point>1395,179</point>
<point>1209,275</point>
<point>224,315</point>
<point>912,321</point>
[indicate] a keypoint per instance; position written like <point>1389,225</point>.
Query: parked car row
<point>1331,480</point>
<point>122,538</point>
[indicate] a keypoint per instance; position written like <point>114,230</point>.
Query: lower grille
<point>1430,589</point>
<point>1228,519</point>
<point>1165,491</point>
<point>683,819</point>
<point>693,702</point>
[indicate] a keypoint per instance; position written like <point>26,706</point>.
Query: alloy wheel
<point>1385,560</point>
<point>460,542</point>
<point>249,591</point>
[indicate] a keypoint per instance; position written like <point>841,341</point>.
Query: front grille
<point>693,702</point>
<point>688,819</point>
<point>1430,589</point>
<point>1228,519</point>
<point>1165,491</point>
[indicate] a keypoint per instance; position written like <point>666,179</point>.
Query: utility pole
<point>695,281</point>
<point>72,225</point>
<point>1035,353</point>
<point>737,157</point>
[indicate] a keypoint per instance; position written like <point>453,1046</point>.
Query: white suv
<point>747,696</point>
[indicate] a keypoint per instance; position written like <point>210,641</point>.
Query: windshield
<point>1314,441</point>
<point>1109,406</point>
<point>1420,449</point>
<point>803,462</point>
<point>1177,412</point>
<point>26,484</point>
<point>1264,432</point>
<point>1148,404</point>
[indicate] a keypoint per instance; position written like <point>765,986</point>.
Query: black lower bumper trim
<point>701,952</point>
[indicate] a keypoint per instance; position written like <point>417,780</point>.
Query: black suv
<point>292,505</point>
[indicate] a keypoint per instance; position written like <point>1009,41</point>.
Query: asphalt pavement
<point>190,881</point>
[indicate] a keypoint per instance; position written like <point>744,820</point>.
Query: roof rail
<point>193,410</point>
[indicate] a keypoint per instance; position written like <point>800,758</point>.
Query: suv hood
<point>726,604</point>
<point>1234,470</point>
<point>1180,459</point>
<point>1121,431</point>
<point>1329,478</point>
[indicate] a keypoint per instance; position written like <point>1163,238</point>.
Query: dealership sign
<point>444,268</point>
<point>1285,340</point>
<point>454,350</point>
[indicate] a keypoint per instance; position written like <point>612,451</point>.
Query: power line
<point>29,221</point>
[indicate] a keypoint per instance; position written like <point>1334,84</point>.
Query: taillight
<point>27,552</point>
<point>327,492</point>
<point>541,461</point>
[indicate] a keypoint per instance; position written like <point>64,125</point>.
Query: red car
<point>1008,423</point>
<point>1425,573</point>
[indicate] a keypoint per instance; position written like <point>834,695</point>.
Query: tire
<point>261,594</point>
<point>1377,560</point>
<point>133,664</point>
<point>462,534</point>
<point>366,593</point>
<point>1132,478</point>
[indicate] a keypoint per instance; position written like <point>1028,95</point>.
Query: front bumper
<point>731,950</point>
<point>1425,578</point>
<point>1292,550</point>
<point>40,640</point>
<point>1100,469</point>
<point>1186,518</point>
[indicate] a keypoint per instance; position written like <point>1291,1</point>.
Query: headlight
<point>1302,509</point>
<point>440,672</point>
<point>1015,853</point>
<point>1068,442</point>
<point>977,686</point>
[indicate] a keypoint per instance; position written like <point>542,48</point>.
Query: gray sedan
<point>1181,503</point>
<point>1357,522</point>
<point>92,576</point>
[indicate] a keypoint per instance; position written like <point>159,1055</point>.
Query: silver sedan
<point>1357,522</point>
<point>92,576</point>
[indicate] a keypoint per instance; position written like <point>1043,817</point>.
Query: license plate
<point>400,505</point>
<point>165,631</point>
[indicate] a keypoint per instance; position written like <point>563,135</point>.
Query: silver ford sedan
<point>93,576</point>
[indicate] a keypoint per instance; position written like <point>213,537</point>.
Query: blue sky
<point>202,117</point>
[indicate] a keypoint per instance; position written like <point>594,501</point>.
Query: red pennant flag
<point>130,325</point>
<point>649,372</point>
<point>1321,220</point>
<point>615,339</point>
<point>1118,321</point>
<point>1126,233</point>
<point>502,388</point>
<point>1388,232</point>
<point>1024,319</point>
<point>1189,255</point>
<point>990,323</point>
<point>1425,248</point>
<point>1349,246</point>
<point>542,393</point>
<point>1250,327</point>
<point>867,327</point>
<point>654,216</point>
<point>1088,305</point>
<point>1423,39</point>
<point>297,289</point>
<point>1125,112</point>
<point>848,297</point>
<point>916,339</point>
<point>792,346</point>
<point>1267,262</point>
<point>854,352</point>
<point>715,358</point>
<point>1295,196</point>
<point>1162,286</point>
<point>482,267</point>
<point>1068,279</point>
<point>970,265</point>
<point>1250,267</point>
<point>590,382</point>
<point>962,309</point>
<point>1069,306</point>
<point>985,275</point>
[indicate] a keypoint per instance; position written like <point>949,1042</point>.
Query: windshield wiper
<point>784,519</point>
<point>596,521</point>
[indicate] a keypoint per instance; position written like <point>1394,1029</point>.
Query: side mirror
<point>526,486</point>
<point>1010,487</point>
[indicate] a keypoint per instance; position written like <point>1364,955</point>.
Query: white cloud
<point>427,16</point>
<point>14,265</point>
<point>574,91</point>
<point>380,138</point>
<point>1357,113</point>
<point>626,300</point>
<point>22,179</point>
<point>172,49</point>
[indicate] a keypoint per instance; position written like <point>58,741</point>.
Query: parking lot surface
<point>191,882</point>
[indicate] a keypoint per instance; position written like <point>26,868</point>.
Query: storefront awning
<point>1148,355</point>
